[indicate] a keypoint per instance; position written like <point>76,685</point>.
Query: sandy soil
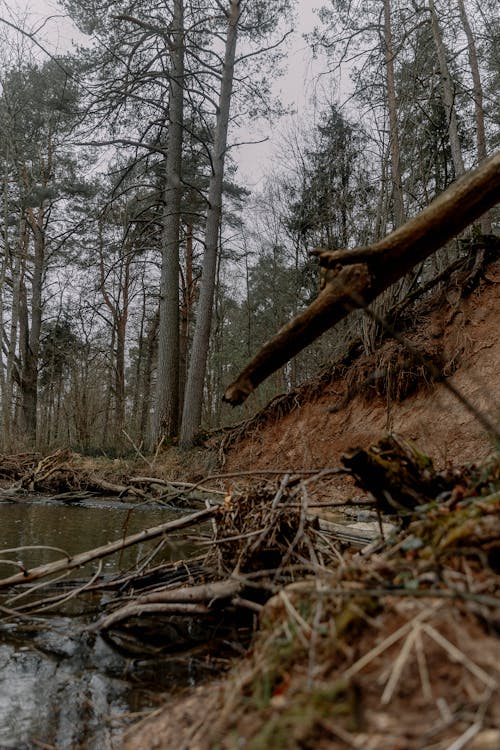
<point>467,331</point>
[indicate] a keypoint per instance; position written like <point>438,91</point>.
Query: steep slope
<point>461,332</point>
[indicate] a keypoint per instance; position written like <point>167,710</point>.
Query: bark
<point>358,276</point>
<point>31,333</point>
<point>397,187</point>
<point>189,600</point>
<point>6,395</point>
<point>447,93</point>
<point>191,417</point>
<point>165,417</point>
<point>151,349</point>
<point>478,102</point>
<point>188,296</point>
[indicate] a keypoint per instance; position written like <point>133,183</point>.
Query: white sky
<point>297,88</point>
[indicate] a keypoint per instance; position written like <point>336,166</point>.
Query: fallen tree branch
<point>187,600</point>
<point>365,272</point>
<point>70,563</point>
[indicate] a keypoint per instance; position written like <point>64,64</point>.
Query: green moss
<point>290,727</point>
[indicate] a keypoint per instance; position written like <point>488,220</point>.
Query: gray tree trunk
<point>191,417</point>
<point>397,187</point>
<point>485,221</point>
<point>447,94</point>
<point>31,333</point>
<point>165,417</point>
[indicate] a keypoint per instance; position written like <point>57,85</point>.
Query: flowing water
<point>61,685</point>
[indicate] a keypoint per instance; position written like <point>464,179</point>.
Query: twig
<point>422,667</point>
<point>399,665</point>
<point>464,738</point>
<point>135,447</point>
<point>36,587</point>
<point>62,598</point>
<point>384,645</point>
<point>304,626</point>
<point>459,656</point>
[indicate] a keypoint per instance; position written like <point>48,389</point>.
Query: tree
<point>166,408</point>
<point>257,21</point>
<point>193,398</point>
<point>37,109</point>
<point>447,93</point>
<point>477,93</point>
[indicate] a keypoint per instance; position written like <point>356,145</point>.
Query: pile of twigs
<point>16,466</point>
<point>68,478</point>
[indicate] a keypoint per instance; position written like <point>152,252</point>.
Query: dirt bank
<point>461,331</point>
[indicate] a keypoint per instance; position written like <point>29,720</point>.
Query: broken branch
<point>358,276</point>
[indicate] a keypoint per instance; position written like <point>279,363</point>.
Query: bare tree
<point>448,93</point>
<point>166,407</point>
<point>193,398</point>
<point>477,93</point>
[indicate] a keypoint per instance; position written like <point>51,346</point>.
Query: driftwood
<point>356,277</point>
<point>397,474</point>
<point>70,563</point>
<point>188,600</point>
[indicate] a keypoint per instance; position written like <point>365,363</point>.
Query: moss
<point>292,726</point>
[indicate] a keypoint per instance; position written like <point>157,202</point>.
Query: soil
<point>464,331</point>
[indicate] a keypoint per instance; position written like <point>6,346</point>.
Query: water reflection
<point>76,528</point>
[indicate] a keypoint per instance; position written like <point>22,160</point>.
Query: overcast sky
<point>297,88</point>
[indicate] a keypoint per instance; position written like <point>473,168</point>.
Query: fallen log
<point>181,601</point>
<point>356,277</point>
<point>70,563</point>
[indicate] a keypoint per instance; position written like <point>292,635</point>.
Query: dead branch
<point>70,563</point>
<point>136,610</point>
<point>45,468</point>
<point>361,274</point>
<point>115,489</point>
<point>188,600</point>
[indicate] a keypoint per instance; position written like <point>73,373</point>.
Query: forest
<point>139,272</point>
<point>210,204</point>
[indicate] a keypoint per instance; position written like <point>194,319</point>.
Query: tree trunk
<point>448,94</point>
<point>165,418</point>
<point>31,347</point>
<point>188,295</point>
<point>6,397</point>
<point>151,349</point>
<point>397,187</point>
<point>191,417</point>
<point>359,275</point>
<point>485,221</point>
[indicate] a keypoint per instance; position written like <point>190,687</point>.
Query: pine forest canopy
<point>138,271</point>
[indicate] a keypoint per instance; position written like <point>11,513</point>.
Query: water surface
<point>59,683</point>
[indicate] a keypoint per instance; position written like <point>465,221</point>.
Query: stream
<point>61,685</point>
